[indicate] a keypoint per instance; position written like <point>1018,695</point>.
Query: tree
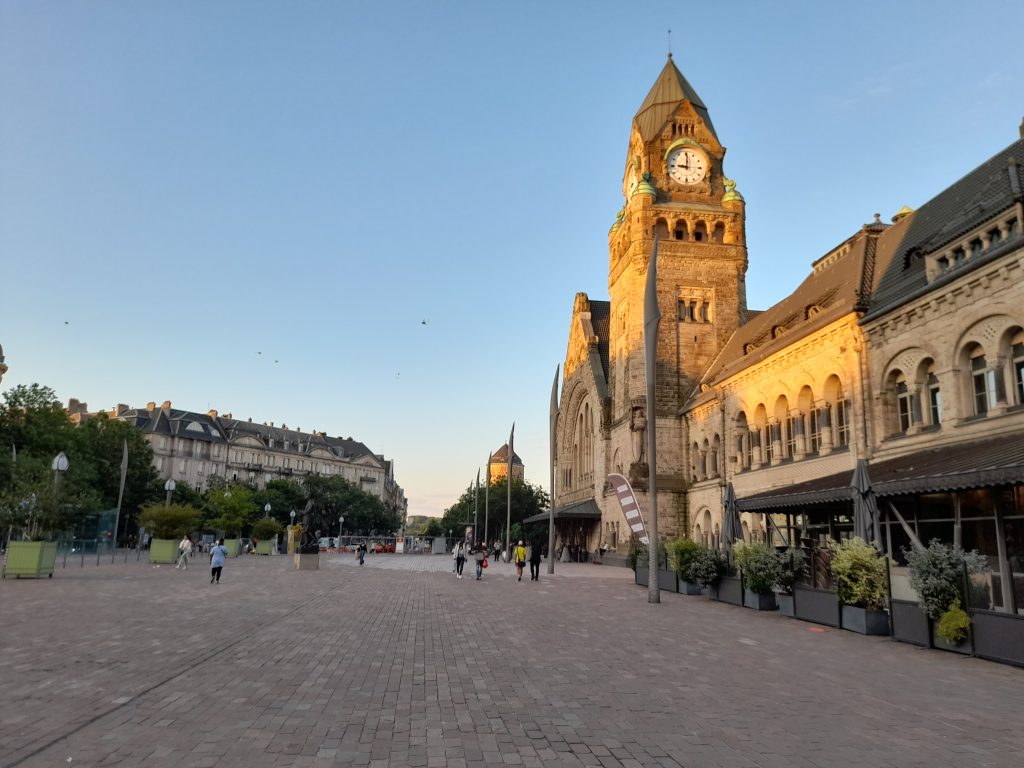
<point>364,513</point>
<point>527,500</point>
<point>99,444</point>
<point>169,522</point>
<point>283,496</point>
<point>230,508</point>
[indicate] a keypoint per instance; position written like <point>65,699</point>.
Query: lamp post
<point>450,542</point>
<point>341,525</point>
<point>266,509</point>
<point>169,486</point>
<point>59,465</point>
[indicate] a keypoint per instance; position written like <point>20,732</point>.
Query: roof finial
<point>670,44</point>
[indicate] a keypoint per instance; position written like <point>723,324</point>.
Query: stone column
<point>799,434</point>
<point>775,431</point>
<point>825,428</point>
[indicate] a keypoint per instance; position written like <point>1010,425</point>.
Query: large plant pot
<point>30,558</point>
<point>998,636</point>
<point>909,623</point>
<point>265,547</point>
<point>759,602</point>
<point>641,575</point>
<point>307,562</point>
<point>820,606</point>
<point>690,588</point>
<point>667,581</point>
<point>728,590</point>
<point>785,603</point>
<point>864,621</point>
<point>963,647</point>
<point>163,550</point>
<point>233,546</point>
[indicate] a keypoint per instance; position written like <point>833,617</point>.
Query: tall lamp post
<point>291,533</point>
<point>59,466</point>
<point>266,509</point>
<point>169,486</point>
<point>341,526</point>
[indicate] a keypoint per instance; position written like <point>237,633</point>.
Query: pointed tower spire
<point>668,91</point>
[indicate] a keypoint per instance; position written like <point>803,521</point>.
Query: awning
<point>581,510</point>
<point>980,464</point>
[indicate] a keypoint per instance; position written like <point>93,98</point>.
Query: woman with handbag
<point>480,554</point>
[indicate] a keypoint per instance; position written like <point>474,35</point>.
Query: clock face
<point>631,184</point>
<point>687,165</point>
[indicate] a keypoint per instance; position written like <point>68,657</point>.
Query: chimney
<point>283,425</point>
<point>166,407</point>
<point>250,419</point>
<point>271,423</point>
<point>121,409</point>
<point>150,406</point>
<point>1021,129</point>
<point>212,413</point>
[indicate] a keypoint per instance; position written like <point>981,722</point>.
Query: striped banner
<point>630,509</point>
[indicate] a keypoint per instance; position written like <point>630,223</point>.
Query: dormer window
<point>959,256</point>
<point>976,247</point>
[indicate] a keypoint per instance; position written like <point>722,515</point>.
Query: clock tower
<point>674,186</point>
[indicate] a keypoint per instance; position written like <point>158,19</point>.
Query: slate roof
<point>600,318</point>
<point>580,510</point>
<point>840,283</point>
<point>981,464</point>
<point>500,456</point>
<point>974,199</point>
<point>664,98</point>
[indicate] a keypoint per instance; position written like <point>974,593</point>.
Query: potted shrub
<point>761,570</point>
<point>862,586</point>
<point>266,530</point>
<point>168,523</point>
<point>937,575</point>
<point>681,555</point>
<point>666,577</point>
<point>791,569</point>
<point>707,568</point>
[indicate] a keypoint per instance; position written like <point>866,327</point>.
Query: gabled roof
<point>500,456</point>
<point>664,98</point>
<point>970,202</point>
<point>840,282</point>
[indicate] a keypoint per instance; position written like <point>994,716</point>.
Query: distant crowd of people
<point>463,550</point>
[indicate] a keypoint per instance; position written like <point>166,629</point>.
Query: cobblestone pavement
<point>398,663</point>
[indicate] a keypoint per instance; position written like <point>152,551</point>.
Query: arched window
<point>743,447</point>
<point>927,406</point>
<point>661,229</point>
<point>762,435</point>
<point>904,403</point>
<point>700,232</point>
<point>783,428</point>
<point>716,456</point>
<point>1017,361</point>
<point>839,410</point>
<point>983,380</point>
<point>718,233</point>
<point>679,232</point>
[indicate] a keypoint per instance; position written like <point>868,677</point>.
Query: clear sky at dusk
<point>186,185</point>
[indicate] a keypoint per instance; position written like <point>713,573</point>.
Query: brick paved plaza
<point>400,664</point>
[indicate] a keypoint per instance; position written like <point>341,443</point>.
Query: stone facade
<point>193,447</point>
<point>904,338</point>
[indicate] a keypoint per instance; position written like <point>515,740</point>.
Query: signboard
<point>630,509</point>
<point>400,545</point>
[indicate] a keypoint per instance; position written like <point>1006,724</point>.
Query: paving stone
<point>399,664</point>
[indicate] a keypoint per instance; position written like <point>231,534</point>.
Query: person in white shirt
<point>184,552</point>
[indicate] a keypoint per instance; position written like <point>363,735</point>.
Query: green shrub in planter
<point>791,568</point>
<point>266,528</point>
<point>936,574</point>
<point>642,555</point>
<point>860,574</point>
<point>707,566</point>
<point>169,521</point>
<point>760,565</point>
<point>681,553</point>
<point>954,624</point>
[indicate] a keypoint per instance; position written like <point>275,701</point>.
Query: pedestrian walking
<point>535,561</point>
<point>459,553</point>
<point>218,554</point>
<point>480,555</point>
<point>361,552</point>
<point>519,555</point>
<point>184,552</point>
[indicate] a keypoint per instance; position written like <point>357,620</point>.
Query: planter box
<point>667,581</point>
<point>690,588</point>
<point>759,602</point>
<point>641,576</point>
<point>728,590</point>
<point>30,558</point>
<point>264,547</point>
<point>820,606</point>
<point>163,550</point>
<point>963,647</point>
<point>233,546</point>
<point>785,603</point>
<point>307,562</point>
<point>910,624</point>
<point>998,636</point>
<point>864,621</point>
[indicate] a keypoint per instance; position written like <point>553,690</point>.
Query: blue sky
<point>191,191</point>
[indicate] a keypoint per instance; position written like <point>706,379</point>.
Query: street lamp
<point>169,486</point>
<point>266,509</point>
<point>292,513</point>
<point>341,524</point>
<point>59,465</point>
